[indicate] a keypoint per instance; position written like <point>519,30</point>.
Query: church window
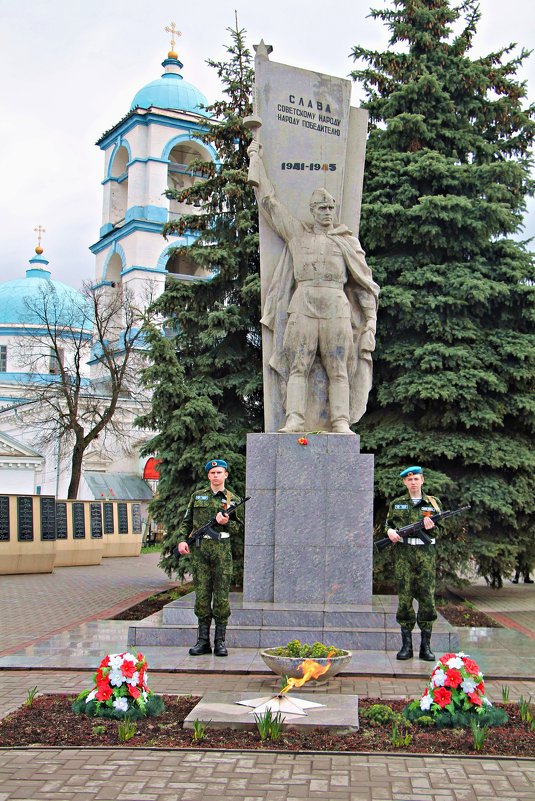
<point>3,359</point>
<point>55,360</point>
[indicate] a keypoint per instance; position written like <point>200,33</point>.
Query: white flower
<point>130,658</point>
<point>425,702</point>
<point>146,679</point>
<point>486,700</point>
<point>121,704</point>
<point>144,695</point>
<point>438,679</point>
<point>455,662</point>
<point>461,654</point>
<point>134,679</point>
<point>90,696</point>
<point>116,660</point>
<point>468,686</point>
<point>115,678</point>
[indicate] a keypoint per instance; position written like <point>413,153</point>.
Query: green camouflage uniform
<point>414,564</point>
<point>211,563</point>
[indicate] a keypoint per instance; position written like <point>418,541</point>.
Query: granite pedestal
<point>309,523</point>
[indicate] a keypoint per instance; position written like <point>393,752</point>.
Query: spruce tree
<point>446,177</point>
<point>206,379</point>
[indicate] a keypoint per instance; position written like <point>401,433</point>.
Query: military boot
<point>405,651</point>
<point>202,646</point>
<point>219,640</point>
<point>425,647</point>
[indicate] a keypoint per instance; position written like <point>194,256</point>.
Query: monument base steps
<point>353,627</point>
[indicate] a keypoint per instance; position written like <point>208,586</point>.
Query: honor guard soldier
<point>211,561</point>
<point>414,563</point>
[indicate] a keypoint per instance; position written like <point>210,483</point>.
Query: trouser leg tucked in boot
<point>219,640</point>
<point>295,405</point>
<point>339,407</point>
<point>405,651</point>
<point>202,646</point>
<point>425,647</point>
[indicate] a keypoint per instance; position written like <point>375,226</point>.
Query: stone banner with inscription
<point>310,138</point>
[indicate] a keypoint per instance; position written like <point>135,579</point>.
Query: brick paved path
<point>161,775</point>
<point>36,605</point>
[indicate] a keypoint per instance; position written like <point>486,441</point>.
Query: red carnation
<point>442,697</point>
<point>475,699</point>
<point>128,669</point>
<point>104,692</point>
<point>302,441</point>
<point>453,678</point>
<point>471,666</point>
<point>444,658</point>
<point>135,692</point>
<point>481,687</point>
<point>105,662</point>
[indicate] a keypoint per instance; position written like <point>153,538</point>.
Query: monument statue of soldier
<point>321,304</point>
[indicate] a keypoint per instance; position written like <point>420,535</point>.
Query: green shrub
<point>299,650</point>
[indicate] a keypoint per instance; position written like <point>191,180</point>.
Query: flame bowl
<point>291,666</point>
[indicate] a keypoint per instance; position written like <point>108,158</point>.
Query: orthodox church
<point>148,151</point>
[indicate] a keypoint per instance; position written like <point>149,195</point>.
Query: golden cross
<point>173,30</point>
<point>39,231</point>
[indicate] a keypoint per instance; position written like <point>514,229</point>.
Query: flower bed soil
<point>459,614</point>
<point>51,722</point>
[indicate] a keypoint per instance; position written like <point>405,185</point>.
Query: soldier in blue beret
<point>211,563</point>
<point>414,563</point>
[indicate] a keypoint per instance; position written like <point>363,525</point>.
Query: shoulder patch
<point>401,506</point>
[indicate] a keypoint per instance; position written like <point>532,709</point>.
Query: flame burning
<point>310,670</point>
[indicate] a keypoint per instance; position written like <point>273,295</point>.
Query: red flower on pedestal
<point>302,441</point>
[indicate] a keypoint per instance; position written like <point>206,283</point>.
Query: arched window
<point>119,186</point>
<point>181,176</point>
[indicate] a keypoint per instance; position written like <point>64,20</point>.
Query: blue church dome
<point>21,299</point>
<point>171,91</point>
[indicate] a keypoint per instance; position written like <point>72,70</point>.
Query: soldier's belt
<point>217,535</point>
<point>417,541</point>
<point>319,282</point>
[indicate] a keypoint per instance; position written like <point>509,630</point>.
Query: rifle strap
<point>433,503</point>
<point>228,499</point>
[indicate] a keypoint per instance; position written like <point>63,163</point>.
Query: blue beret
<point>410,471</point>
<point>215,463</point>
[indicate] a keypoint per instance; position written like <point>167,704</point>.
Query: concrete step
<point>354,639</point>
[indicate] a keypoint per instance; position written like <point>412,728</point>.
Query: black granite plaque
<point>4,518</point>
<point>78,521</point>
<point>122,514</point>
<point>48,519</point>
<point>61,520</point>
<point>25,518</point>
<point>96,520</point>
<point>109,526</point>
<point>136,518</point>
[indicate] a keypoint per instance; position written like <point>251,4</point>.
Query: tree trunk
<point>76,471</point>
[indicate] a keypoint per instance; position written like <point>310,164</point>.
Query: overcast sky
<point>70,70</point>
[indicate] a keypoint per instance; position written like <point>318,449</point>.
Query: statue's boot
<point>425,647</point>
<point>339,408</point>
<point>405,652</point>
<point>202,646</point>
<point>296,397</point>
